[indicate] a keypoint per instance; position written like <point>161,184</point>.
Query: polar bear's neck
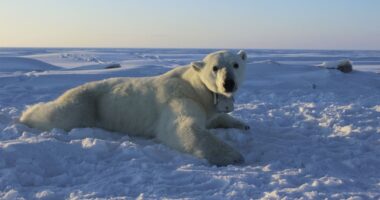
<point>201,91</point>
<point>211,101</point>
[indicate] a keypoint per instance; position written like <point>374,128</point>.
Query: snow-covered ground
<point>315,133</point>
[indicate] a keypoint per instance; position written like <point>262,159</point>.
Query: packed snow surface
<point>315,132</point>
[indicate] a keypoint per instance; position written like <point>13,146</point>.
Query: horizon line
<point>202,48</point>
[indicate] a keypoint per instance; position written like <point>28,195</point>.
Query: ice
<point>315,133</point>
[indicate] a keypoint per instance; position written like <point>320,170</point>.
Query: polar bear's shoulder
<point>173,79</point>
<point>173,85</point>
<point>175,73</point>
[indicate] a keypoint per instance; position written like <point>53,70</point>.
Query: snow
<point>12,64</point>
<point>315,133</point>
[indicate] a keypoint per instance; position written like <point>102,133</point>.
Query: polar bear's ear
<point>242,54</point>
<point>197,65</point>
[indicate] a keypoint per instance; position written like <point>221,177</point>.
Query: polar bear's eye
<point>236,65</point>
<point>215,68</point>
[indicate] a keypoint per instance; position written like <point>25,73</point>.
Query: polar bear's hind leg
<point>75,108</point>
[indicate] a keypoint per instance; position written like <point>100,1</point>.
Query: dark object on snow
<point>113,66</point>
<point>345,66</point>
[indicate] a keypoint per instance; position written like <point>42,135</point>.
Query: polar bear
<point>177,108</point>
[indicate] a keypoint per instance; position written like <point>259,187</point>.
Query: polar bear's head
<point>222,72</point>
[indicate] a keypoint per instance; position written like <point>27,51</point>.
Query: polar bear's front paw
<point>226,156</point>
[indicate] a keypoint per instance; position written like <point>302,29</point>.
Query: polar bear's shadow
<point>127,147</point>
<point>105,144</point>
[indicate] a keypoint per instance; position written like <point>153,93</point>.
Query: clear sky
<point>302,24</point>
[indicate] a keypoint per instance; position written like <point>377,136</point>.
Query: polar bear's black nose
<point>229,85</point>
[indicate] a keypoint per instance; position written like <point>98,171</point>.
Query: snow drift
<point>11,64</point>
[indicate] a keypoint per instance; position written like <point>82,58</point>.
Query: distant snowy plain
<point>315,133</point>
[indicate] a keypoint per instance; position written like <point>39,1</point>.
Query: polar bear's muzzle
<point>226,82</point>
<point>229,85</point>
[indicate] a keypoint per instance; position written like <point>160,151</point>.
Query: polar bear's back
<point>129,106</point>
<point>133,105</point>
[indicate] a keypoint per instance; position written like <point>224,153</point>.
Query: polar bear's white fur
<point>177,107</point>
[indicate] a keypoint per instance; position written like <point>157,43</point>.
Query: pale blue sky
<point>305,24</point>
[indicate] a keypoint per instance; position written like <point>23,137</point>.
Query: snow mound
<point>98,66</point>
<point>267,62</point>
<point>81,57</point>
<point>11,64</point>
